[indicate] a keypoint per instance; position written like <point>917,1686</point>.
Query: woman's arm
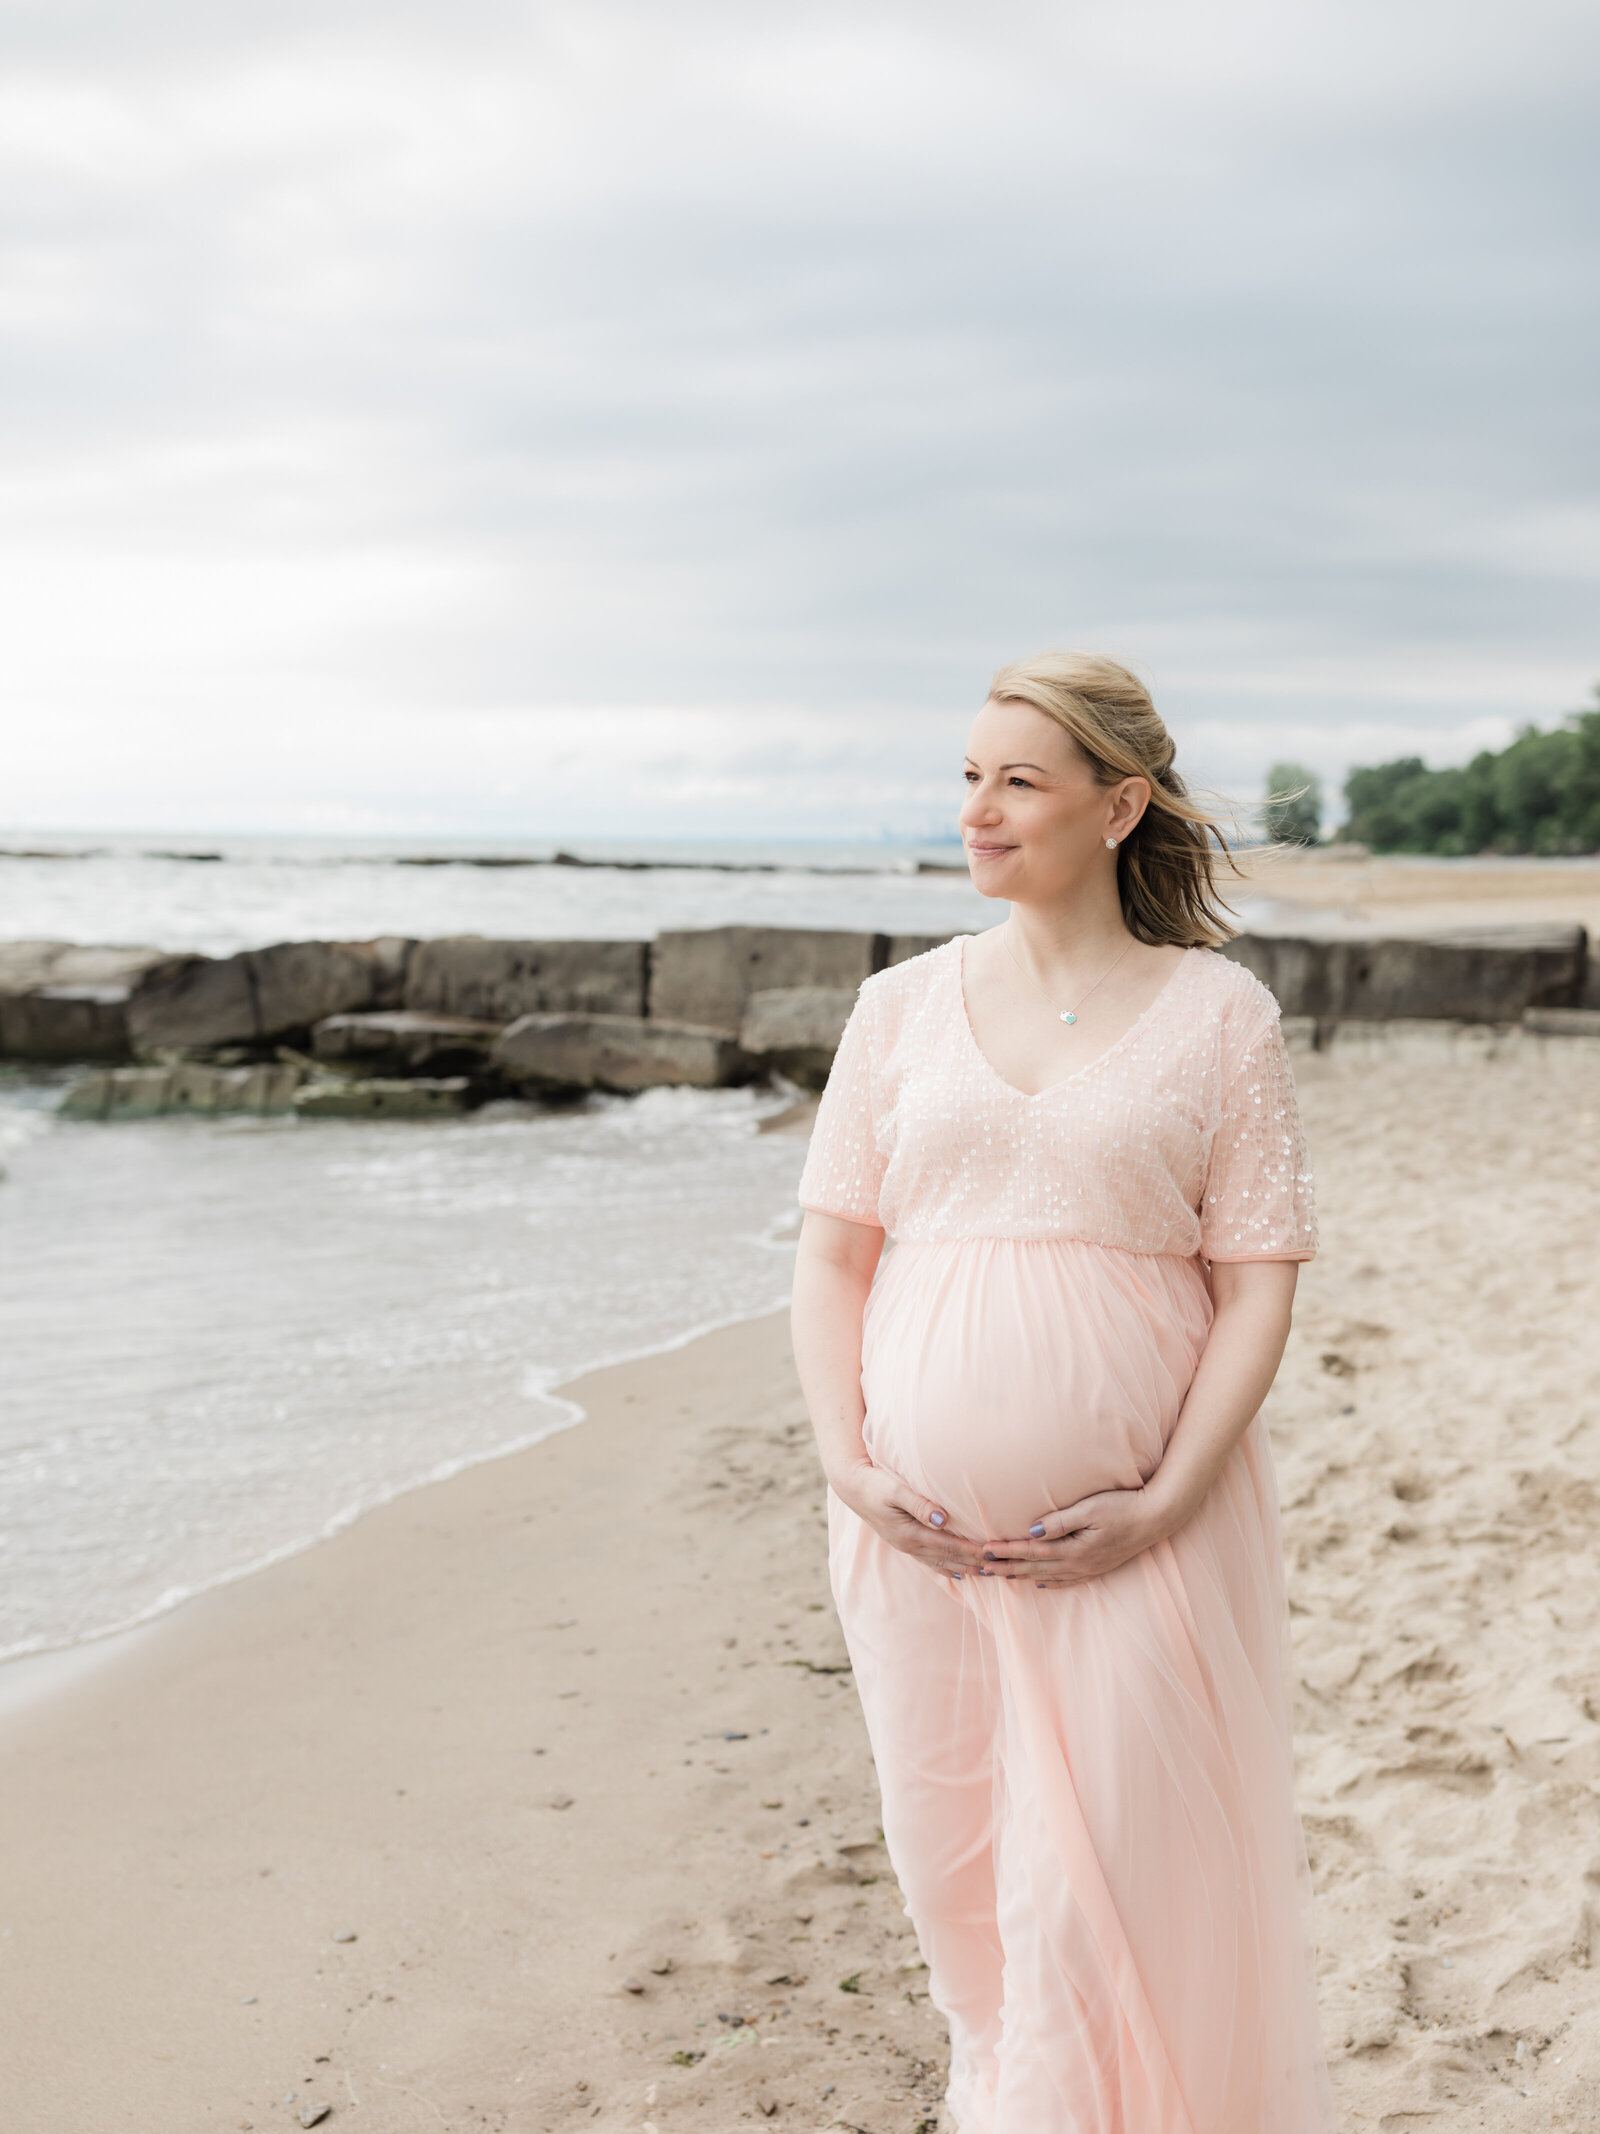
<point>833,1274</point>
<point>1254,1304</point>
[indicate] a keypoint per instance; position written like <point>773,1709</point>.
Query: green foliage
<point>1293,813</point>
<point>1542,794</point>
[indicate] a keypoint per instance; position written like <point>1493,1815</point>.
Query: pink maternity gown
<point>1087,1792</point>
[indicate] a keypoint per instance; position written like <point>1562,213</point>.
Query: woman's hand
<point>906,1521</point>
<point>1085,1540</point>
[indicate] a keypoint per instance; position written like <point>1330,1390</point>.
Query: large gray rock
<point>795,1030</point>
<point>787,1016</point>
<point>404,1042</point>
<point>190,1003</point>
<point>24,964</point>
<point>184,1086</point>
<point>1489,977</point>
<point>138,1092</point>
<point>194,1087</point>
<point>618,1052</point>
<point>266,1087</point>
<point>706,977</point>
<point>430,1097</point>
<point>87,1098</point>
<point>53,1022</point>
<point>59,1001</point>
<point>298,983</point>
<point>1295,971</point>
<point>493,981</point>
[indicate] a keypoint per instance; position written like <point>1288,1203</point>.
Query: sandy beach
<point>1395,893</point>
<point>539,1799</point>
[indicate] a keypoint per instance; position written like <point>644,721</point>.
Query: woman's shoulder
<point>1234,993</point>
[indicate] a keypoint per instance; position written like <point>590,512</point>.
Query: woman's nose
<point>978,807</point>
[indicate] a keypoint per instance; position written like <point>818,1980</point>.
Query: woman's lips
<point>988,852</point>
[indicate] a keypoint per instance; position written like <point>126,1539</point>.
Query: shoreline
<point>26,1671</point>
<point>293,1323</point>
<point>555,1396</point>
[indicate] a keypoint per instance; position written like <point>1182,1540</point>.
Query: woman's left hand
<point>1085,1540</point>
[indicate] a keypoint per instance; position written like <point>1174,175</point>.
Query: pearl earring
<point>1111,844</point>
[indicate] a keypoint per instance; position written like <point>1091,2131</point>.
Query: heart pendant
<point>1068,1016</point>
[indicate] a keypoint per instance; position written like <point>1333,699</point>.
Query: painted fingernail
<point>956,1575</point>
<point>936,1518</point>
<point>1037,1529</point>
<point>988,1555</point>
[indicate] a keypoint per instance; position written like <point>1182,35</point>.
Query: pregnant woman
<point>1054,1532</point>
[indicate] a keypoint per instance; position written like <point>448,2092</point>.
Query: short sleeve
<point>844,1167</point>
<point>1257,1203</point>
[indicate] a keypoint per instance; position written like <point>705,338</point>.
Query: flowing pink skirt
<point>1088,1793</point>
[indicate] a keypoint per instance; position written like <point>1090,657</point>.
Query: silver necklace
<point>1066,1015</point>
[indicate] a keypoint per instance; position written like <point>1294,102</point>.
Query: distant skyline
<point>589,419</point>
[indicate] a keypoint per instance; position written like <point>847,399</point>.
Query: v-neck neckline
<point>1032,1096</point>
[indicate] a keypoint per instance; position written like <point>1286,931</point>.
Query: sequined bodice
<point>1183,1137</point>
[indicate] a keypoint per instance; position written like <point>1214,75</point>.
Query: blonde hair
<point>1166,866</point>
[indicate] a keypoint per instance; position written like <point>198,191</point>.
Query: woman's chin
<point>992,878</point>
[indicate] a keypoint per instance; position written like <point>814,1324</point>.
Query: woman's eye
<point>1025,783</point>
<point>970,776</point>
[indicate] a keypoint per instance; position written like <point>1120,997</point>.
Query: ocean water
<point>242,893</point>
<point>223,1338</point>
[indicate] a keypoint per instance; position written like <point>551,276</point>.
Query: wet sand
<point>564,1744</point>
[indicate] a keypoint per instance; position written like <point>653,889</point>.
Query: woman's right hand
<point>906,1521</point>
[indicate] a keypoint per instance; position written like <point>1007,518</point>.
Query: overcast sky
<point>608,417</point>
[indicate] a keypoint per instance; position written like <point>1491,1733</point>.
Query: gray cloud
<point>382,372</point>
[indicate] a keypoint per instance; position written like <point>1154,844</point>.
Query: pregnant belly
<point>1003,1378</point>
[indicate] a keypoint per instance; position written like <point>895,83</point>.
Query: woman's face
<point>1035,820</point>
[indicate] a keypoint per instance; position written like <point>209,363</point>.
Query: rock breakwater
<point>342,1028</point>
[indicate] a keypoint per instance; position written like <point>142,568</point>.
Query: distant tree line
<point>1542,795</point>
